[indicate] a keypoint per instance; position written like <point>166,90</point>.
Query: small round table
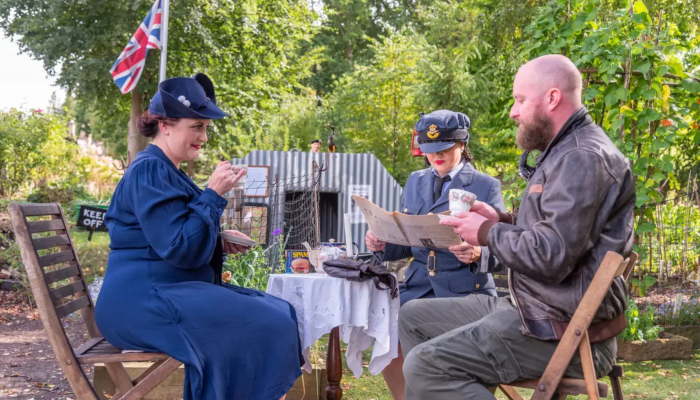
<point>357,312</point>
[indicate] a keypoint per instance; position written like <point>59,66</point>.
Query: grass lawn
<point>92,254</point>
<point>645,380</point>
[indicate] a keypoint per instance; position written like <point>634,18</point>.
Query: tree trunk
<point>688,204</point>
<point>659,227</point>
<point>651,253</point>
<point>136,141</point>
<point>695,185</point>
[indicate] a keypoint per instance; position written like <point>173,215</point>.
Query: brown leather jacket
<point>578,205</point>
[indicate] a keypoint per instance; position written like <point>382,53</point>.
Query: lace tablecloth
<point>366,315</point>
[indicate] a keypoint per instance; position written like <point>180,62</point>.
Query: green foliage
<point>92,254</point>
<point>33,149</point>
<point>641,287</point>
<point>10,257</point>
<point>651,120</point>
<point>454,55</point>
<point>252,269</point>
<point>249,48</point>
<point>249,270</point>
<point>667,233</point>
<point>290,125</point>
<point>375,107</point>
<point>640,326</point>
<point>11,260</point>
<point>348,29</point>
<point>63,191</point>
<point>373,65</point>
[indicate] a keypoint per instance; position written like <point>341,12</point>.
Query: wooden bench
<point>59,290</point>
<point>552,384</point>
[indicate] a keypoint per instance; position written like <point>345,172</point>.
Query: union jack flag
<point>129,66</point>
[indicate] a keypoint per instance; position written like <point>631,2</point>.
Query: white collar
<point>454,171</point>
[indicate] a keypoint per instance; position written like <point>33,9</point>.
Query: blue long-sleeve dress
<point>158,294</point>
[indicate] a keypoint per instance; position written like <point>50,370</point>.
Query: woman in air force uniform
<point>443,138</point>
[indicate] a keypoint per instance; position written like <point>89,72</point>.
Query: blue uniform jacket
<point>452,277</point>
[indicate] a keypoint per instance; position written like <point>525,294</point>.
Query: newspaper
<point>407,230</point>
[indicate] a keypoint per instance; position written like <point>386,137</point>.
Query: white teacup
<point>461,201</point>
<point>236,168</point>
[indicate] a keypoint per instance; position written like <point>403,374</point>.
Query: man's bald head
<point>547,91</point>
<point>554,71</point>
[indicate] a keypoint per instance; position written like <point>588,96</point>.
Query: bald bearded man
<point>579,204</point>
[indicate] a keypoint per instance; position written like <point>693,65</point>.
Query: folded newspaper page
<point>408,230</point>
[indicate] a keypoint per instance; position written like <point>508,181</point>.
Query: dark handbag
<point>360,271</point>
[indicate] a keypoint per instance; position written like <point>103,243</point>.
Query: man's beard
<point>535,135</point>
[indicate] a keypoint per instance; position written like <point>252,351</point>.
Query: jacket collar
<point>153,151</point>
<point>577,120</point>
<point>426,185</point>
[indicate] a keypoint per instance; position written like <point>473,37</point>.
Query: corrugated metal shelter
<point>346,174</point>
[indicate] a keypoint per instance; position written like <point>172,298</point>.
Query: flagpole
<point>164,40</point>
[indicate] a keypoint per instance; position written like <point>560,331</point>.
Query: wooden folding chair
<point>552,384</point>
<point>59,290</point>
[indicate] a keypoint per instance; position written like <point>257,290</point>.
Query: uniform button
<point>405,210</point>
<point>477,285</point>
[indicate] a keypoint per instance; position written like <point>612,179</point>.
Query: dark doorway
<point>299,218</point>
<point>328,217</point>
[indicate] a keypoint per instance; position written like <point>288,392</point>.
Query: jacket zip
<point>523,327</point>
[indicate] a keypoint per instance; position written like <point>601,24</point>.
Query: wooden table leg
<point>334,366</point>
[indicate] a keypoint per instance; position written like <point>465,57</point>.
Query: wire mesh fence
<point>283,218</point>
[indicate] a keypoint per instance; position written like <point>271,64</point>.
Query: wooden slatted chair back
<point>552,384</point>
<point>59,289</point>
<point>576,335</point>
<point>56,280</point>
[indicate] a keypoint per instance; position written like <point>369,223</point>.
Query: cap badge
<point>433,133</point>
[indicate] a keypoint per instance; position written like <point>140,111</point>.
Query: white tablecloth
<point>365,315</point>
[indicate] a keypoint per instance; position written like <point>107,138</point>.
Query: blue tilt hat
<point>440,130</point>
<point>186,98</point>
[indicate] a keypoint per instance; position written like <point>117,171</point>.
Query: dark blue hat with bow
<point>186,98</point>
<point>440,130</point>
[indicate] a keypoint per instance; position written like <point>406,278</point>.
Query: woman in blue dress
<point>443,138</point>
<point>163,290</point>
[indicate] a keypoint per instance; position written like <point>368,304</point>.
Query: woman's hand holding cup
<point>224,179</point>
<point>485,210</point>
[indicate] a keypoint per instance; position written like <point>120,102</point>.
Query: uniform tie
<point>439,184</point>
